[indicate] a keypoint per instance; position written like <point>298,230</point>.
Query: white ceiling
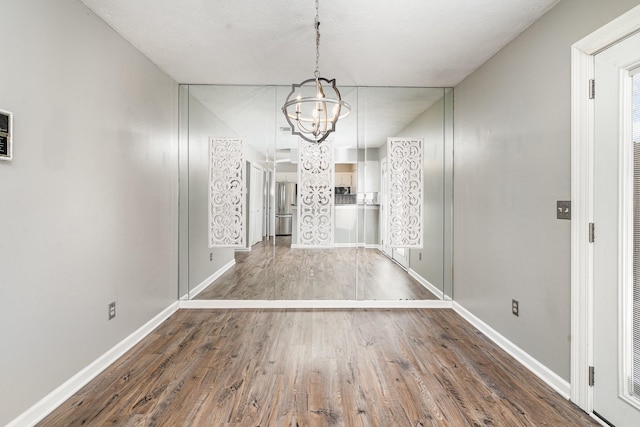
<point>364,42</point>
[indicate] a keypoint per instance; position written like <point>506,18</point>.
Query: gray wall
<point>202,125</point>
<point>512,162</point>
<point>88,206</point>
<point>430,126</point>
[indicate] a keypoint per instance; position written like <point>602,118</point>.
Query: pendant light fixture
<point>314,106</point>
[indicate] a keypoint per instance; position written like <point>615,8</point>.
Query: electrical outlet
<point>112,310</point>
<point>210,256</point>
<point>515,308</point>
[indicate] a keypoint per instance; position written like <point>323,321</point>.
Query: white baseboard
<point>356,245</point>
<point>209,280</point>
<point>345,245</point>
<point>598,420</point>
<point>541,371</point>
<point>428,285</point>
<point>310,304</point>
<point>58,396</point>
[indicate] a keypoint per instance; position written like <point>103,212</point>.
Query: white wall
<point>512,163</point>
<point>88,206</point>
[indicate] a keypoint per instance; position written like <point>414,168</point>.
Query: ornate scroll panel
<point>227,191</point>
<point>315,194</point>
<point>405,200</point>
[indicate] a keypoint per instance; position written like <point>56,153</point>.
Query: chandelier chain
<point>317,25</point>
<point>314,106</point>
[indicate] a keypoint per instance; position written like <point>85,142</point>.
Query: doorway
<point>601,296</point>
<point>384,239</point>
<point>256,204</point>
<point>616,355</point>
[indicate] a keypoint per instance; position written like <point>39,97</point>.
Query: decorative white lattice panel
<point>315,194</point>
<point>227,191</point>
<point>405,189</point>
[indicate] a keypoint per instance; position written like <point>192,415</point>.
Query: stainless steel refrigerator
<point>285,197</point>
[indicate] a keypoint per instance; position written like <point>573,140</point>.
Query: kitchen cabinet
<point>344,179</point>
<point>368,225</point>
<point>356,225</point>
<point>345,226</point>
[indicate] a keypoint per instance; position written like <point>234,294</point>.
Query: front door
<point>616,268</point>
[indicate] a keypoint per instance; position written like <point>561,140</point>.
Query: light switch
<point>563,209</point>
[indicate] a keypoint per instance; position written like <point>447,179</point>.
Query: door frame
<point>384,196</point>
<point>251,194</point>
<point>582,200</point>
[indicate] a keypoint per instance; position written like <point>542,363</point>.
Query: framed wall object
<point>316,174</point>
<point>227,192</point>
<point>6,130</point>
<point>405,186</point>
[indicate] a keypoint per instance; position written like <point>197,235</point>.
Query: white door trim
<point>582,139</point>
<point>252,195</point>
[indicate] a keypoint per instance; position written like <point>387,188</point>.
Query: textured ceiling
<point>364,42</point>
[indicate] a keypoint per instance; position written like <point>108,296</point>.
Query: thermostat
<point>6,128</point>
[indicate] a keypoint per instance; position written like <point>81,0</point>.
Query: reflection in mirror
<point>404,199</point>
<point>315,194</point>
<point>245,112</point>
<point>227,193</point>
<point>317,274</point>
<point>361,264</point>
<point>409,113</point>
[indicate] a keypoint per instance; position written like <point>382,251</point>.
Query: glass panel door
<point>634,386</point>
<point>615,249</point>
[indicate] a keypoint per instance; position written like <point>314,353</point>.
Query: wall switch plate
<point>563,209</point>
<point>112,310</point>
<point>515,308</point>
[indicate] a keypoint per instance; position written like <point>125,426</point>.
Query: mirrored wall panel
<point>318,220</point>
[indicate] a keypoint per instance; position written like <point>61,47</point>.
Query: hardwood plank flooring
<point>415,367</point>
<point>277,272</point>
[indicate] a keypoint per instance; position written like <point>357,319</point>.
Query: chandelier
<point>314,106</point>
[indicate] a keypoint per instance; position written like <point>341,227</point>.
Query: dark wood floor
<point>277,272</point>
<point>417,367</point>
